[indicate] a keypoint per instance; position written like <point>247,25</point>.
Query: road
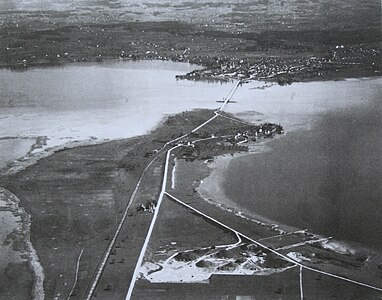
<point>152,224</point>
<point>76,274</point>
<point>106,256</point>
<point>297,263</point>
<point>157,209</point>
<point>118,230</point>
<point>163,191</point>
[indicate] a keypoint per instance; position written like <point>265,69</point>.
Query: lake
<point>324,174</point>
<point>103,101</point>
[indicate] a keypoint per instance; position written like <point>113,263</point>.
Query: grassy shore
<point>185,240</point>
<point>76,197</point>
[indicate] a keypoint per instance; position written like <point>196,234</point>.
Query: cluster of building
<point>149,206</point>
<point>277,68</point>
<point>250,133</point>
<point>227,141</point>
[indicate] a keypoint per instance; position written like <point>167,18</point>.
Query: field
<point>77,197</point>
<point>192,256</point>
<point>226,15</point>
<point>267,33</point>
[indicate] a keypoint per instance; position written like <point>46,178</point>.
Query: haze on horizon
<point>339,14</point>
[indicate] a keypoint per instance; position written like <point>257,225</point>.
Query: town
<point>340,60</point>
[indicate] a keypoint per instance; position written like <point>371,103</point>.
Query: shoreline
<point>31,158</point>
<point>21,67</point>
<point>165,264</point>
<point>258,147</point>
<point>212,185</point>
<point>270,225</point>
<point>44,150</point>
<point>23,235</point>
<point>102,158</point>
<point>99,128</point>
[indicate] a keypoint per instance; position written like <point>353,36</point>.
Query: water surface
<point>324,174</point>
<point>105,101</point>
<point>327,177</point>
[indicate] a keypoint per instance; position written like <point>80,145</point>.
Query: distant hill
<point>247,15</point>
